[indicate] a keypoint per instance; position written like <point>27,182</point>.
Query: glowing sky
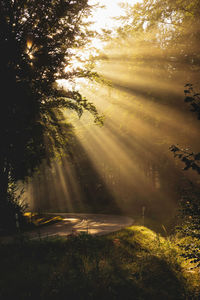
<point>103,17</point>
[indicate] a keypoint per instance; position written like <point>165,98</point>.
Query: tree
<point>189,202</point>
<point>188,157</point>
<point>171,30</point>
<point>36,42</point>
<point>162,37</point>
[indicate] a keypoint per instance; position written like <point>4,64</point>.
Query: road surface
<point>75,223</point>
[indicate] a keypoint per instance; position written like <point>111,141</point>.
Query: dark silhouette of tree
<point>36,41</point>
<point>187,156</point>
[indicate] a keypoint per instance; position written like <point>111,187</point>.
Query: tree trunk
<point>3,181</point>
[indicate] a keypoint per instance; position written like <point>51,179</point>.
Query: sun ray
<point>126,162</point>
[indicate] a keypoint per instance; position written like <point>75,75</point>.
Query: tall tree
<point>36,42</point>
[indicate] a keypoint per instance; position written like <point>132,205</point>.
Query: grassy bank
<point>134,263</point>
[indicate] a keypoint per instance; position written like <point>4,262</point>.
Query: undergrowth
<point>134,263</point>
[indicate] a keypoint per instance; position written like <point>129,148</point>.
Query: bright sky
<point>103,16</point>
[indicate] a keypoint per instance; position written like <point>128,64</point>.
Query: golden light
<point>30,50</point>
<point>29,44</point>
<point>129,156</point>
<point>103,17</point>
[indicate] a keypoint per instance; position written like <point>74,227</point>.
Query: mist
<point>125,166</point>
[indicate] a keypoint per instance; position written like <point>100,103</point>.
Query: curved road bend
<point>98,224</point>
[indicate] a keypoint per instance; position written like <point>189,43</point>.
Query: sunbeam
<point>126,164</point>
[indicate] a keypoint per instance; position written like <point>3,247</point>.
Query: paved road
<point>98,224</point>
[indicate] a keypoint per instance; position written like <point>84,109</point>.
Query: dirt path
<point>98,224</point>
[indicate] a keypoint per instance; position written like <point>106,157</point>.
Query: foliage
<point>189,203</point>
<point>93,267</point>
<point>12,211</point>
<point>37,39</point>
<point>193,98</point>
<point>190,224</point>
<point>190,159</point>
<point>171,30</point>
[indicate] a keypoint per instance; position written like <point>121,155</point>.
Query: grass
<point>40,220</point>
<point>134,263</point>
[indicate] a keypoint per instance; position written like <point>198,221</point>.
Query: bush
<point>190,227</point>
<point>12,211</point>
